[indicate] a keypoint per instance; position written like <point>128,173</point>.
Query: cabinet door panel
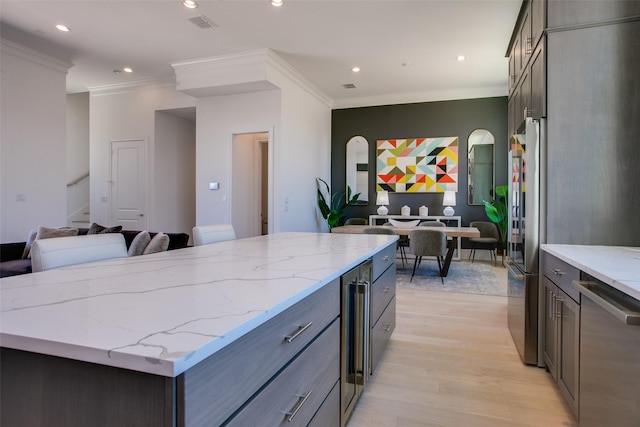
<point>550,349</point>
<point>526,44</point>
<point>569,345</point>
<point>381,333</point>
<point>382,291</point>
<point>383,260</point>
<point>537,19</point>
<point>538,89</point>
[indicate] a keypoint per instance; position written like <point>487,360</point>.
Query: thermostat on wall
<point>214,185</point>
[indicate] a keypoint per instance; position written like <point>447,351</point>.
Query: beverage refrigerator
<point>523,239</point>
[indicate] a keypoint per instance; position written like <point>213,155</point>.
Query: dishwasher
<point>609,356</point>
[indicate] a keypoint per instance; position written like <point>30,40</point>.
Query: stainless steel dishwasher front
<point>609,356</point>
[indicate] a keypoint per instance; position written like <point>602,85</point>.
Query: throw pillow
<point>101,229</point>
<point>27,246</point>
<point>49,233</point>
<point>159,243</point>
<point>139,243</point>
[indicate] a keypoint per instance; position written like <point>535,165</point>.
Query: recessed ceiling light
<point>461,58</point>
<point>277,3</point>
<point>356,69</point>
<point>127,70</point>
<point>63,28</point>
<point>191,4</point>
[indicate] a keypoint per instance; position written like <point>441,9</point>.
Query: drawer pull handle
<point>387,290</point>
<point>303,328</point>
<point>386,258</point>
<point>387,327</point>
<point>295,410</point>
<point>558,272</point>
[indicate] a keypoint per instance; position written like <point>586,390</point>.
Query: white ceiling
<point>406,49</point>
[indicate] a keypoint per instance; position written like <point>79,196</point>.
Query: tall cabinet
<point>575,66</point>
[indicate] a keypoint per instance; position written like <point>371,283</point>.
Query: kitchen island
<point>186,337</point>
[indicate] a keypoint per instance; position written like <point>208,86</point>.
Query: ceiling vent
<point>349,86</point>
<point>203,22</point>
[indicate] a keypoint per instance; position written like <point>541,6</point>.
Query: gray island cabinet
<point>237,333</point>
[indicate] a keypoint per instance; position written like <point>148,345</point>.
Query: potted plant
<point>496,211</point>
<point>333,211</point>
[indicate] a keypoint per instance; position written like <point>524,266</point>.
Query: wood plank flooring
<point>452,362</point>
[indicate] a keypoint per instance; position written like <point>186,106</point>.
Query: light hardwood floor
<point>452,362</point>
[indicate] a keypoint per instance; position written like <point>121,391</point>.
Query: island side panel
<point>39,390</point>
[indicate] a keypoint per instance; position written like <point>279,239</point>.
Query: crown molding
<point>132,86</point>
<point>255,63</point>
<point>32,55</point>
<point>416,97</point>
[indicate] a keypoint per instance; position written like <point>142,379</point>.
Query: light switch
<point>214,186</point>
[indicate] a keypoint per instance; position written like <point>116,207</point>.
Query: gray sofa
<point>12,263</point>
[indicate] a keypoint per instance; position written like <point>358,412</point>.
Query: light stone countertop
<point>163,313</point>
<point>617,266</point>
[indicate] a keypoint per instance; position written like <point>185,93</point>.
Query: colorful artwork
<point>418,165</point>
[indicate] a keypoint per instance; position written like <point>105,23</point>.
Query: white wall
<point>175,167</point>
<point>32,141</point>
<point>219,118</point>
<point>296,114</point>
<point>77,135</point>
<point>303,154</point>
<point>128,113</point>
<point>77,157</point>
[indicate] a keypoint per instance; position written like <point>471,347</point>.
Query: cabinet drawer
<point>216,387</point>
<point>294,396</point>
<point>329,412</point>
<point>383,260</point>
<point>382,291</point>
<point>562,274</point>
<point>381,333</point>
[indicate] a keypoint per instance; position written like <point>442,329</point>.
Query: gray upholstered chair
<point>378,230</point>
<point>356,221</point>
<point>428,241</point>
<point>432,224</point>
<point>205,234</point>
<point>63,251</point>
<point>489,238</point>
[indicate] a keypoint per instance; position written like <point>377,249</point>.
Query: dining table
<point>452,233</point>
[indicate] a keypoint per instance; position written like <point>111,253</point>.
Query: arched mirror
<point>358,168</point>
<point>480,166</point>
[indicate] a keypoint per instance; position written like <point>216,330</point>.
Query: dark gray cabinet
<point>383,304</point>
<point>527,74</point>
<point>561,345</point>
<point>537,101</point>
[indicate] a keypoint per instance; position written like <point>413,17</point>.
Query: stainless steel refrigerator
<point>523,239</point>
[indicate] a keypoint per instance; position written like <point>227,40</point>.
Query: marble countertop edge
<point>617,266</point>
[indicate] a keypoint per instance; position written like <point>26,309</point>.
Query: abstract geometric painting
<point>418,165</point>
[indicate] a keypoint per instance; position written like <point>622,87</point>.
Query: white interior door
<point>128,184</point>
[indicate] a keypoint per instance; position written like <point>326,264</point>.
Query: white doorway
<point>128,184</point>
<point>250,184</point>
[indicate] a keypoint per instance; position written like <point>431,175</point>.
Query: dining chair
<point>62,251</point>
<point>428,242</point>
<point>432,224</point>
<point>356,221</point>
<point>379,230</point>
<point>206,234</point>
<point>489,238</point>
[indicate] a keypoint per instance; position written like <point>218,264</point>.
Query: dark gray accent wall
<point>428,119</point>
